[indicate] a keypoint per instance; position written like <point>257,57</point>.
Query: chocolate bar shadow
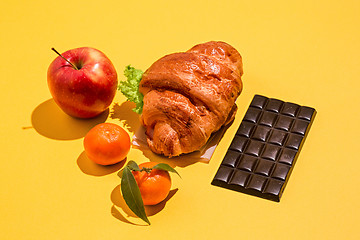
<point>50,121</point>
<point>122,212</point>
<point>125,113</point>
<point>91,168</point>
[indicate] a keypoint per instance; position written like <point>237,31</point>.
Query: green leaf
<point>120,173</point>
<point>130,87</point>
<point>133,166</point>
<point>132,196</point>
<point>165,167</point>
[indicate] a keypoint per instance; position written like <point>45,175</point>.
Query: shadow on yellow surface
<point>122,212</point>
<point>89,167</point>
<point>179,161</point>
<point>125,113</point>
<point>50,121</point>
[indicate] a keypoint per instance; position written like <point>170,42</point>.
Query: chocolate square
<point>231,158</point>
<point>268,119</point>
<point>238,143</point>
<point>300,126</point>
<point>256,182</point>
<point>247,163</point>
<point>284,123</point>
<point>254,148</point>
<point>261,133</point>
<point>264,167</point>
<point>270,152</point>
<point>278,137</point>
<point>239,178</point>
<point>281,171</point>
<point>245,129</point>
<point>287,156</point>
<point>274,105</point>
<point>252,115</point>
<point>259,102</point>
<point>290,109</point>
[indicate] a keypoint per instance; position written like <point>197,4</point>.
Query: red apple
<point>82,81</point>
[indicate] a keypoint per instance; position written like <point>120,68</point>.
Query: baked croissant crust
<point>189,95</point>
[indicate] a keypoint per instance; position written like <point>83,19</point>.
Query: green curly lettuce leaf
<point>130,87</point>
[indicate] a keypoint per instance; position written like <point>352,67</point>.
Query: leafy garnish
<point>131,193</point>
<point>130,87</point>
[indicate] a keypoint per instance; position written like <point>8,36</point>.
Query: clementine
<point>107,144</point>
<point>154,184</point>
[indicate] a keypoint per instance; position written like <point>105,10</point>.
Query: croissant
<point>190,95</point>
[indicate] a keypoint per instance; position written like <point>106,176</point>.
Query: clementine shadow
<point>50,121</point>
<point>125,113</point>
<point>122,212</point>
<point>91,168</point>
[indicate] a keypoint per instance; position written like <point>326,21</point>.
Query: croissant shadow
<point>50,121</point>
<point>122,212</point>
<point>179,161</point>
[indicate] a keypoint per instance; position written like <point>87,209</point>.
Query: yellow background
<point>305,52</point>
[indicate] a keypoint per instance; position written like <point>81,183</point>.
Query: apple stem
<point>65,59</point>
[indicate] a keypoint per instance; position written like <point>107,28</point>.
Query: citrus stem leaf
<point>133,166</point>
<point>132,195</point>
<point>165,167</point>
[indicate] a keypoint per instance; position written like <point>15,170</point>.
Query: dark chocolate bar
<point>265,147</point>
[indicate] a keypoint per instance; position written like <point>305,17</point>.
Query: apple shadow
<point>50,121</point>
<point>125,113</point>
<point>91,168</point>
<point>122,212</point>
